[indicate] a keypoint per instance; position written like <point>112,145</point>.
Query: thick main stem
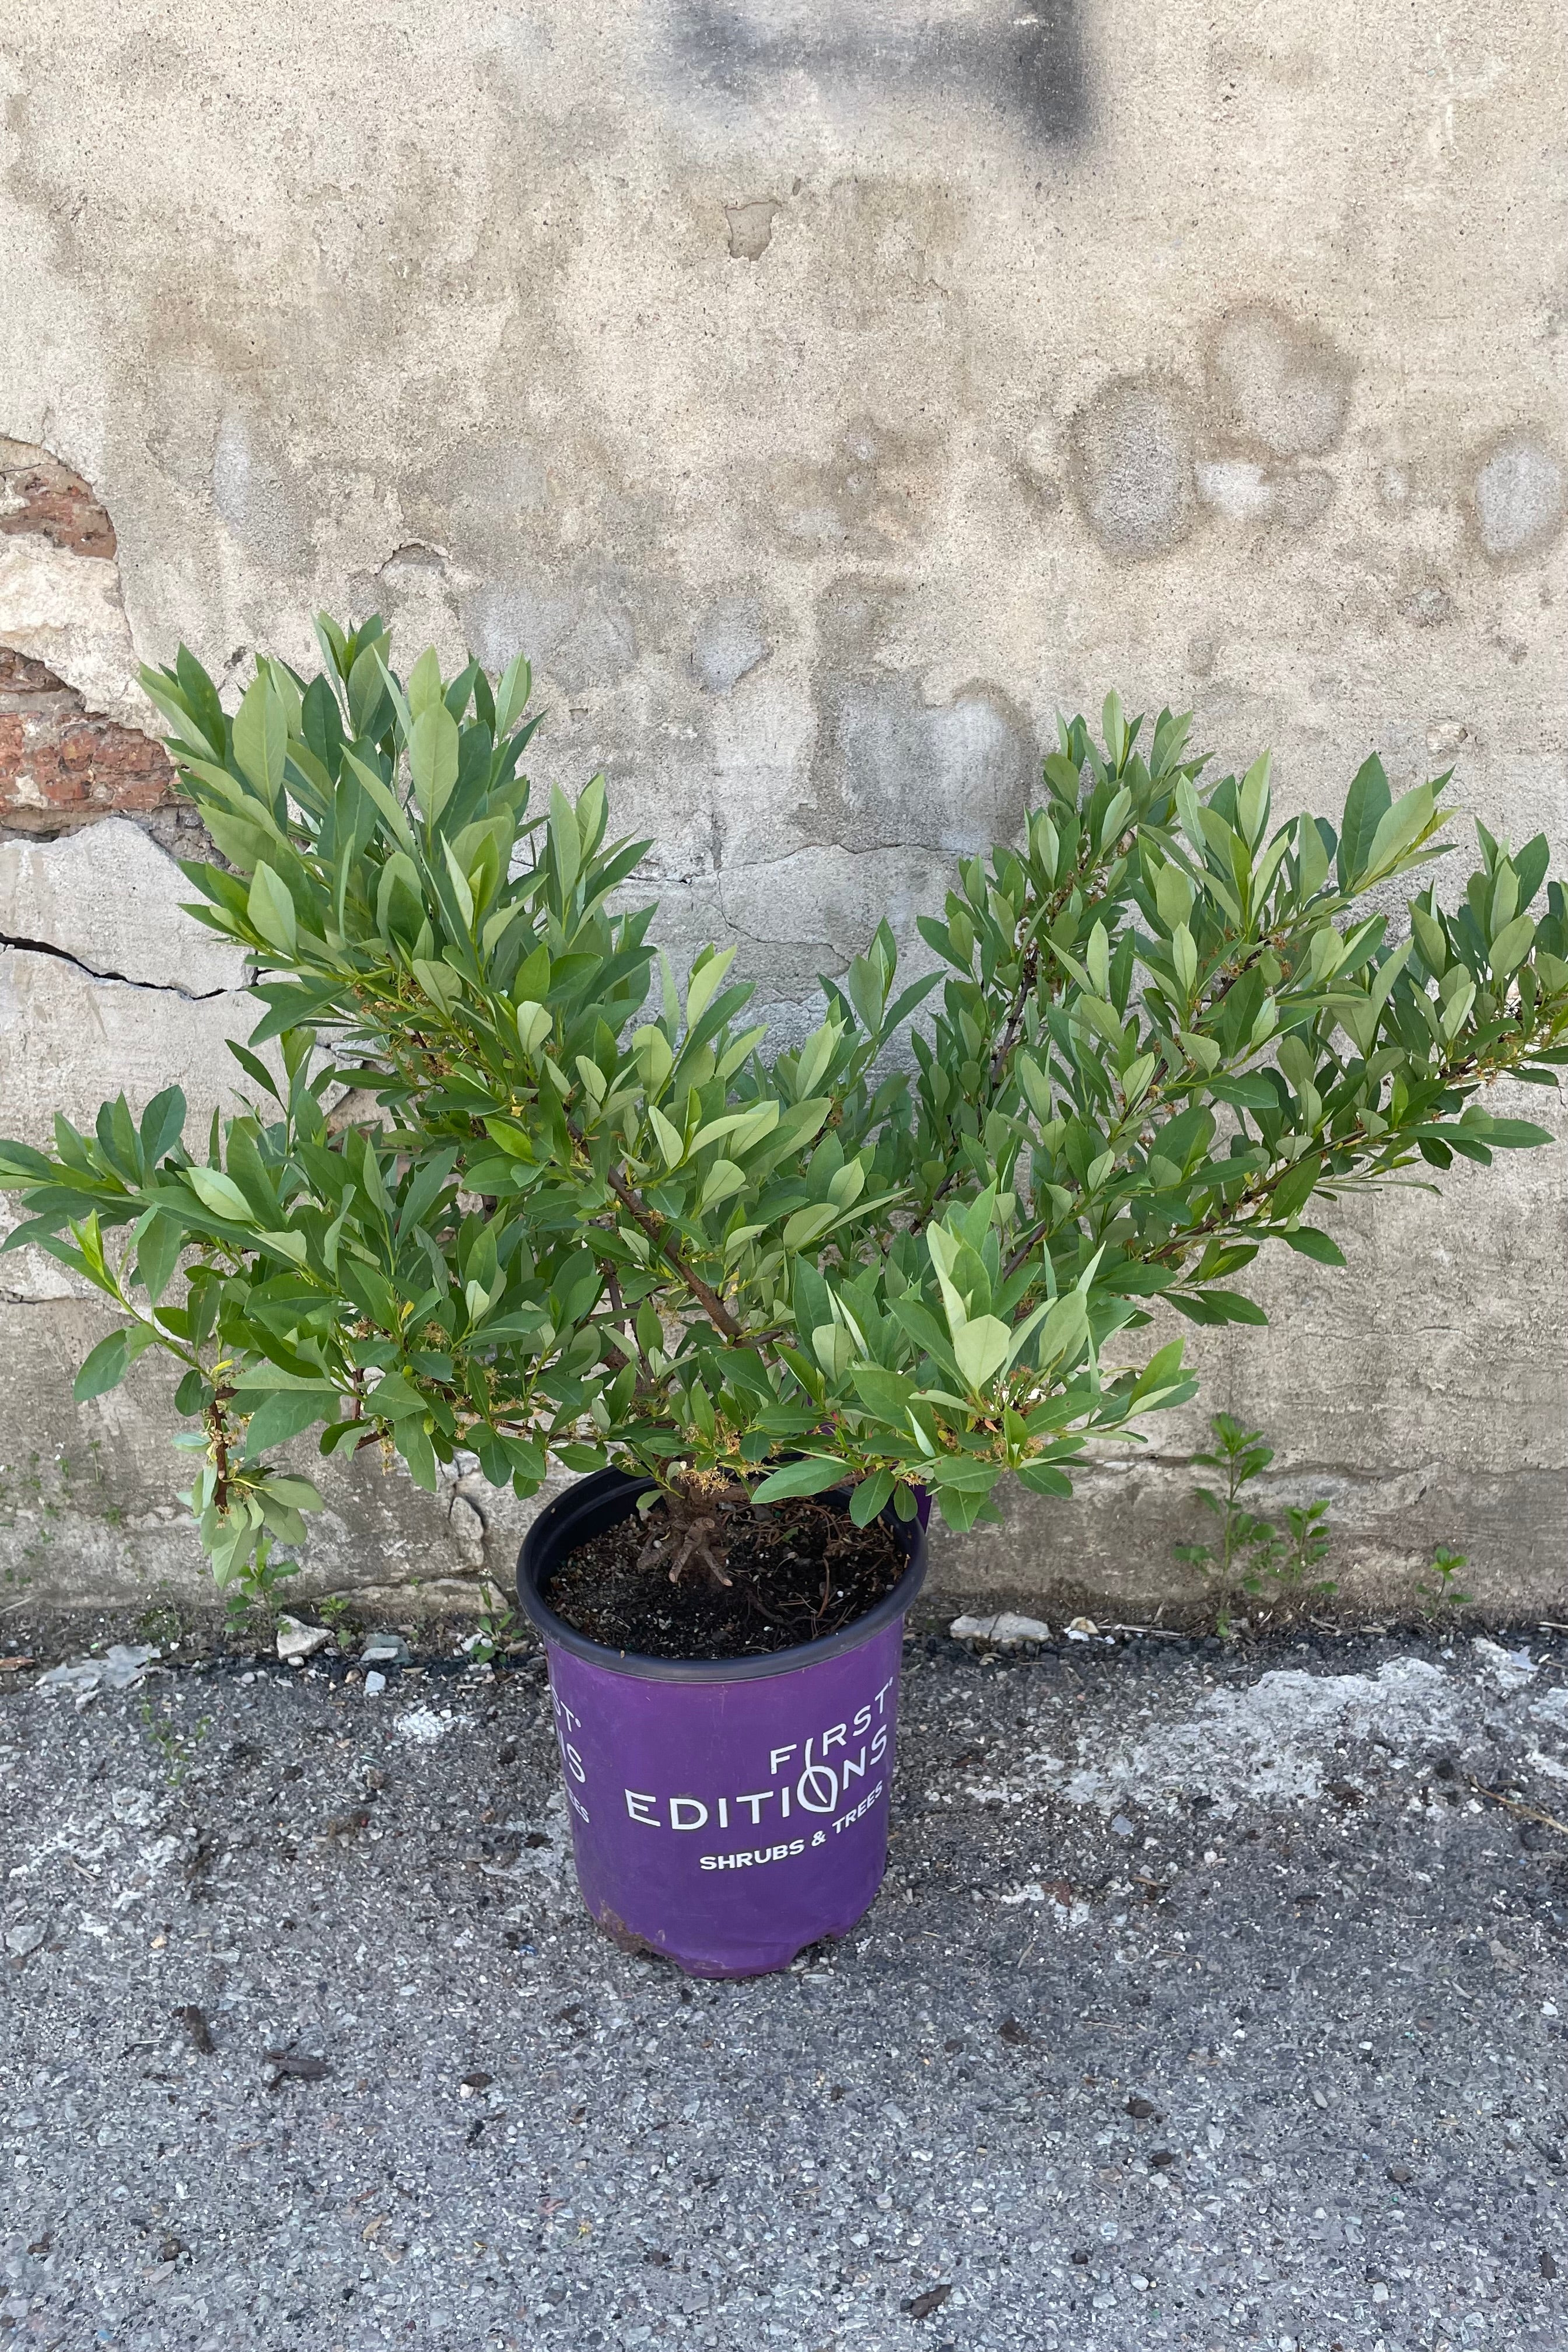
<point>648,1222</point>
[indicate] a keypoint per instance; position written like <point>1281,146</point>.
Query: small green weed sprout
<point>1254,1555</point>
<point>176,1745</point>
<point>1439,1589</point>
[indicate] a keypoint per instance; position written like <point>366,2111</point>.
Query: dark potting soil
<point>798,1571</point>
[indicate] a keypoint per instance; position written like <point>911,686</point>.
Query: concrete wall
<point>823,392</point>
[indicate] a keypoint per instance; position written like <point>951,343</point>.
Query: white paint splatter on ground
<point>425,1726</point>
<point>1063,1909</point>
<point>1510,1670</point>
<point>121,1668</point>
<point>1275,1742</point>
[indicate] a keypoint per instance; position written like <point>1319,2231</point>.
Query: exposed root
<point>693,1528</point>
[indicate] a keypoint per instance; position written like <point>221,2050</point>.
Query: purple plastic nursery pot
<point>725,1812</point>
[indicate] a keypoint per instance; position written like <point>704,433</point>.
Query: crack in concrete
<point>117,979</point>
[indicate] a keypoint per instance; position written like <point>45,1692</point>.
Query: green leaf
<point>104,1368</point>
<point>1509,1134</point>
<point>255,1069</point>
<point>1062,1333</point>
<point>283,1414</point>
<point>702,986</point>
<point>515,685</point>
<point>158,1248</point>
<point>439,982</point>
<point>565,842</point>
<point>812,1475</point>
<point>22,1163</point>
<point>1297,1187</point>
<point>163,1124</point>
<point>367,688</point>
<point>723,1178</point>
<point>394,1399</point>
<point>433,760</point>
<point>1399,827</point>
<point>584,1458</point>
<point>1252,801</point>
<point>296,1493</point>
<point>1312,1244</point>
<point>1215,1306</point>
<point>242,840</point>
<point>271,911</point>
<point>371,781</point>
<point>1043,1478</point>
<point>872,1496</point>
<point>961,1474</point>
<point>1366,805</point>
<point>460,889</point>
<point>414,1445</point>
<point>808,1225</point>
<point>261,739</point>
<point>221,1194</point>
<point>424,683</point>
<point>671,1142</point>
<point>980,1348</point>
<point>1512,945</point>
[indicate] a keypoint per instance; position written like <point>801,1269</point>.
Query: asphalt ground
<point>1215,1999</point>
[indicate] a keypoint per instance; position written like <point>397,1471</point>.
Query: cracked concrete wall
<point>824,395</point>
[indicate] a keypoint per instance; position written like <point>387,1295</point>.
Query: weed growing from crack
<point>1438,1589</point>
<point>176,1746</point>
<point>1254,1555</point>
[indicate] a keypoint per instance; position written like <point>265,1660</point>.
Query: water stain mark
<point>892,770</point>
<point>751,227</point>
<point>873,495</point>
<point>1428,605</point>
<point>1244,491</point>
<point>1519,497</point>
<point>1149,453</point>
<point>729,641</point>
<point>1024,67</point>
<point>1278,385</point>
<point>1131,469</point>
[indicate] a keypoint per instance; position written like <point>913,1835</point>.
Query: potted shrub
<point>773,1309</point>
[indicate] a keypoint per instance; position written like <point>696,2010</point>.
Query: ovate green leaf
<point>980,1348</point>
<point>221,1194</point>
<point>104,1368</point>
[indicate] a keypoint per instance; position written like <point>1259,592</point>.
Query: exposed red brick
<point>60,767</point>
<point>37,493</point>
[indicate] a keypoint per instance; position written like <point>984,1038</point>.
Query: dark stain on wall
<point>1022,65</point>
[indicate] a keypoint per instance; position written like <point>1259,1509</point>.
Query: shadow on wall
<point>1022,67</point>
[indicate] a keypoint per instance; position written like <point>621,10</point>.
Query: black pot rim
<point>537,1554</point>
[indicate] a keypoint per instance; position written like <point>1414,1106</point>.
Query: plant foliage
<point>589,1215</point>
